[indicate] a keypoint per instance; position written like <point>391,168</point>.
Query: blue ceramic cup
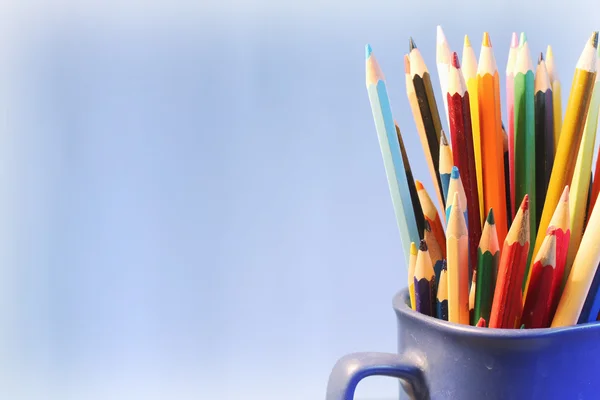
<point>442,360</point>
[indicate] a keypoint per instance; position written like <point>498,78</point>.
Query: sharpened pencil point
<point>455,62</point>
<point>522,39</point>
<point>444,266</point>
<point>523,326</point>
<point>411,44</point>
<point>565,194</point>
<point>441,38</point>
<point>443,138</point>
<point>525,203</point>
<point>467,41</point>
<point>514,40</point>
<point>487,42</point>
<point>541,58</point>
<point>368,51</point>
<point>427,226</point>
<point>481,323</point>
<point>594,39</point>
<point>413,248</point>
<point>551,231</point>
<point>454,174</point>
<point>419,184</point>
<point>406,64</point>
<point>423,245</point>
<point>490,218</point>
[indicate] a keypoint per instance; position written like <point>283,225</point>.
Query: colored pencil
<point>442,60</point>
<point>491,139</point>
<point>488,255</point>
<point>435,252</point>
<point>457,251</point>
<point>544,135</point>
<point>561,223</point>
<point>469,70</point>
<point>481,323</point>
<point>507,305</point>
<point>390,150</point>
<point>428,111</point>
<point>462,143</point>
<point>442,295</point>
<point>591,306</point>
<point>456,186</point>
<point>581,177</point>
<point>582,273</point>
<point>556,94</point>
<point>507,168</point>
<point>412,263</point>
<point>414,197</point>
<point>425,295</point>
<point>431,216</point>
<point>525,148</point>
<point>510,111</point>
<point>544,285</point>
<point>446,163</point>
<point>472,291</point>
<point>570,135</point>
<point>596,181</point>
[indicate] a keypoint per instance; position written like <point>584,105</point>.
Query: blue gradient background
<point>194,204</point>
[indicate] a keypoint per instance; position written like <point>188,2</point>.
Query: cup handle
<point>352,368</point>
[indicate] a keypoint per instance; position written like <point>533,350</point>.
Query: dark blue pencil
<point>424,282</point>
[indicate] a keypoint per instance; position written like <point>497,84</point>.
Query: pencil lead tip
<point>541,58</point>
<point>455,62</point>
<point>481,323</point>
<point>423,245</point>
<point>443,138</point>
<point>411,44</point>
<point>467,41</point>
<point>427,226</point>
<point>406,64</point>
<point>594,39</point>
<point>490,218</point>
<point>514,40</point>
<point>368,51</point>
<point>413,248</point>
<point>419,184</point>
<point>551,231</point>
<point>549,53</point>
<point>454,174</point>
<point>487,42</point>
<point>522,39</point>
<point>525,203</point>
<point>523,326</point>
<point>565,194</point>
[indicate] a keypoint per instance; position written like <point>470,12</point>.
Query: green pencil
<point>488,256</point>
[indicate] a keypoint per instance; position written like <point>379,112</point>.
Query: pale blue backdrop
<point>193,201</point>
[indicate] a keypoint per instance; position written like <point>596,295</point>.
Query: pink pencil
<point>510,105</point>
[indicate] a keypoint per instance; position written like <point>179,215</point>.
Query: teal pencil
<point>390,150</point>
<point>456,186</point>
<point>446,163</point>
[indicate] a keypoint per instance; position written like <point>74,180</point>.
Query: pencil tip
<point>541,58</point>
<point>467,41</point>
<point>418,184</point>
<point>368,50</point>
<point>486,40</point>
<point>523,326</point>
<point>455,62</point>
<point>481,323</point>
<point>441,37</point>
<point>565,194</point>
<point>444,266</point>
<point>522,39</point>
<point>406,64</point>
<point>549,53</point>
<point>551,231</point>
<point>525,203</point>
<point>413,248</point>
<point>443,138</point>
<point>490,218</point>
<point>454,174</point>
<point>411,44</point>
<point>595,39</point>
<point>427,226</point>
<point>423,245</point>
<point>514,40</point>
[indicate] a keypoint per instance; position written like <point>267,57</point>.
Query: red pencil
<point>481,323</point>
<point>459,113</point>
<point>507,305</point>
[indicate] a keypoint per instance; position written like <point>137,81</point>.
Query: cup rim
<point>399,302</point>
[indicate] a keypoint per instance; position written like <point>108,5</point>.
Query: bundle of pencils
<point>521,246</point>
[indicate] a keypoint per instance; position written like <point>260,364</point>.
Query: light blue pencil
<point>446,163</point>
<point>456,186</point>
<point>390,150</point>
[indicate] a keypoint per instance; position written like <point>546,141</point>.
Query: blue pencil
<point>390,150</point>
<point>456,186</point>
<point>425,290</point>
<point>591,307</point>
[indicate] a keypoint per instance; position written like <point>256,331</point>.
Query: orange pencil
<point>488,90</point>
<point>432,216</point>
<point>507,305</point>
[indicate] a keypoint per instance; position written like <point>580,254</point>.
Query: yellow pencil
<point>570,135</point>
<point>412,262</point>
<point>469,70</point>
